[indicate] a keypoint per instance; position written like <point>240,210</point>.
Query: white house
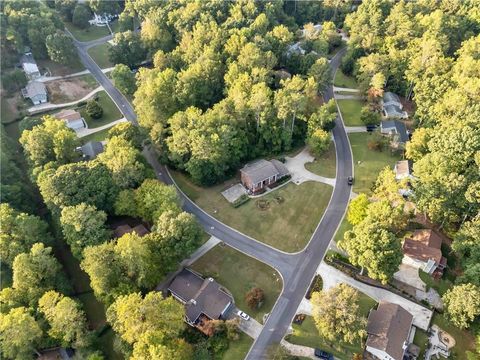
<point>36,92</point>
<point>29,66</point>
<point>392,107</point>
<point>423,251</point>
<point>388,331</point>
<point>102,20</point>
<point>72,118</point>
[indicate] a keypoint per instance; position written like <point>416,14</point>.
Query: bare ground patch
<point>66,90</point>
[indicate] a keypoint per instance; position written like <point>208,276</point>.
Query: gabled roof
<point>92,148</point>
<point>388,329</point>
<point>393,110</point>
<point>260,170</point>
<point>402,168</point>
<point>397,127</point>
<point>68,115</point>
<point>121,230</point>
<point>28,64</point>
<point>35,88</point>
<point>424,245</point>
<point>390,97</point>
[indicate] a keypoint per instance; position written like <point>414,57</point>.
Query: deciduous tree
<point>357,209</point>
<point>81,15</point>
<point>60,48</point>
<point>128,49</point>
<point>462,304</point>
<point>124,79</point>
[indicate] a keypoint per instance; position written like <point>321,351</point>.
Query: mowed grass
<point>307,334</point>
<point>287,224</point>
<point>90,33</point>
<point>110,111</point>
<point>98,136</point>
<point>324,165</point>
<point>421,340</point>
<point>350,109</point>
<point>465,340</point>
<point>239,273</point>
<point>342,229</point>
<point>238,349</point>
<point>99,54</point>
<point>368,163</point>
<point>342,80</point>
<point>57,69</point>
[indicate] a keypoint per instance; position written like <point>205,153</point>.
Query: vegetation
<point>351,111</point>
<point>60,48</point>
<point>110,111</point>
<point>324,165</point>
<point>124,79</point>
<point>462,304</point>
<point>93,109</point>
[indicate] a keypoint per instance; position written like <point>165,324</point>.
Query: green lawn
<point>368,163</point>
<point>441,285</point>
<point>99,54</point>
<point>325,165</point>
<point>57,69</point>
<point>342,80</point>
<point>343,228</point>
<point>98,136</point>
<point>110,111</point>
<point>465,341</point>
<point>350,109</point>
<point>90,33</point>
<point>238,273</point>
<point>421,340</point>
<point>285,224</point>
<point>238,349</point>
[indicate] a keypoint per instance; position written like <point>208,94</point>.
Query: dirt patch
<point>66,90</point>
<point>12,106</point>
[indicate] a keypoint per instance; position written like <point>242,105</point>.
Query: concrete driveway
<point>296,167</point>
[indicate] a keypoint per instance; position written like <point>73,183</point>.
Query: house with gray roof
<point>259,174</point>
<point>395,128</point>
<point>91,149</point>
<point>36,92</point>
<point>392,107</point>
<point>29,66</point>
<point>388,331</point>
<point>204,299</point>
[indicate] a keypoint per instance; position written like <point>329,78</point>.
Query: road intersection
<point>296,269</point>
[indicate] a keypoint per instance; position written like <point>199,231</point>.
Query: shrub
<point>255,298</point>
<point>315,286</point>
<point>377,142</point>
<point>369,117</point>
<point>14,80</point>
<point>240,201</point>
<point>81,15</point>
<point>93,109</point>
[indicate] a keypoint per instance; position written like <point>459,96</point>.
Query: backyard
<point>99,54</point>
<point>465,340</point>
<point>71,89</point>
<point>350,109</point>
<point>239,273</point>
<point>278,219</point>
<point>307,334</point>
<point>368,163</point>
<point>53,68</point>
<point>342,80</point>
<point>324,165</point>
<point>238,349</point>
<point>110,111</point>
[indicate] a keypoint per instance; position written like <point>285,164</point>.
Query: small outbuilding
<point>29,66</point>
<point>257,175</point>
<point>403,170</point>
<point>72,118</point>
<point>36,92</point>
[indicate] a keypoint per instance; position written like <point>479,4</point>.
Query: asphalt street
<point>297,270</point>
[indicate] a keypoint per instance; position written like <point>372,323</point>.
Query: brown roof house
<point>423,251</point>
<point>121,230</point>
<point>388,331</point>
<point>204,299</point>
<point>257,175</point>
<point>72,118</point>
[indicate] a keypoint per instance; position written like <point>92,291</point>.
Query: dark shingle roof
<point>398,127</point>
<point>92,148</point>
<point>388,328</point>
<point>262,169</point>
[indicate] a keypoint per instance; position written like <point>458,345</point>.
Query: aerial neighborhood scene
<point>243,179</point>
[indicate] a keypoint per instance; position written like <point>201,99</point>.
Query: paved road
<point>297,270</point>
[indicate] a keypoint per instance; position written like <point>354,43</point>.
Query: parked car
<point>350,180</point>
<point>243,315</point>
<point>371,128</point>
<point>323,354</point>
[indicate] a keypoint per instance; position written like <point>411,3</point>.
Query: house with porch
<point>259,174</point>
<point>388,330</point>
<point>423,251</point>
<point>204,299</point>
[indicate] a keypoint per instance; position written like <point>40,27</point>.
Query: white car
<point>243,315</point>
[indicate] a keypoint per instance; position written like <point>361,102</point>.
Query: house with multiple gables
<point>258,175</point>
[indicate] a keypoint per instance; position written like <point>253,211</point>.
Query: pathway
<point>332,276</point>
<point>49,106</point>
<point>354,129</point>
<point>86,131</point>
<point>296,167</point>
<point>337,89</point>
<point>348,97</point>
<point>45,79</point>
<point>211,243</point>
<point>299,350</point>
<point>250,327</point>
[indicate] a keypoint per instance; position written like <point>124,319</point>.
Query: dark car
<point>350,180</point>
<point>323,354</point>
<point>371,128</point>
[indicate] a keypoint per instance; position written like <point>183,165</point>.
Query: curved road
<point>298,269</point>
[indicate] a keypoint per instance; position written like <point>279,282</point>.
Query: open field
<point>368,163</point>
<point>342,80</point>
<point>350,109</point>
<point>238,273</point>
<point>110,111</point>
<point>99,54</point>
<point>71,89</point>
<point>285,224</point>
<point>325,165</point>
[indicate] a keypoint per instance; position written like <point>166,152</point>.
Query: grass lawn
<point>238,349</point>
<point>421,340</point>
<point>98,136</point>
<point>441,285</point>
<point>99,54</point>
<point>465,341</point>
<point>7,113</point>
<point>284,224</point>
<point>350,109</point>
<point>88,34</point>
<point>344,227</point>
<point>110,111</point>
<point>57,69</point>
<point>342,80</point>
<point>238,273</point>
<point>368,163</point>
<point>325,165</point>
